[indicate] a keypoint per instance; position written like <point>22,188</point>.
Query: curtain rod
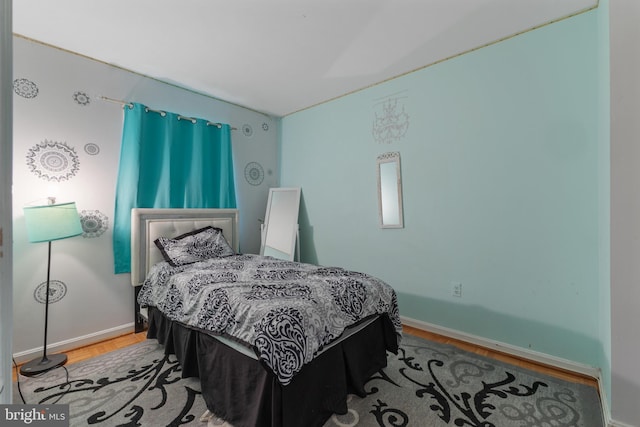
<point>180,117</point>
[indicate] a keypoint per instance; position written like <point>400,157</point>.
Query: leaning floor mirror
<point>279,233</point>
<point>389,191</point>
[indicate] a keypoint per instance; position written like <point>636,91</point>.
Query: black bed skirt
<point>243,392</point>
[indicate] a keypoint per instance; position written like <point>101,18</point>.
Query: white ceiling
<point>279,56</point>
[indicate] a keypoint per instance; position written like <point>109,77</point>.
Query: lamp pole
<point>45,363</point>
<point>46,307</point>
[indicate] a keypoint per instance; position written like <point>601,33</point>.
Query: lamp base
<point>43,364</point>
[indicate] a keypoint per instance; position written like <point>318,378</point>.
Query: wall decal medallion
<point>247,130</point>
<point>390,122</point>
<point>253,173</point>
<point>81,98</point>
<point>265,126</point>
<point>94,223</point>
<point>25,88</point>
<point>91,149</point>
<point>53,161</point>
<point>57,291</point>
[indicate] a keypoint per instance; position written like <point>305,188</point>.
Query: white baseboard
<point>513,350</point>
<point>62,346</point>
<point>606,412</point>
<point>613,423</point>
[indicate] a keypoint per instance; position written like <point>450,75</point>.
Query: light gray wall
<point>97,302</point>
<point>6,281</point>
<point>625,210</point>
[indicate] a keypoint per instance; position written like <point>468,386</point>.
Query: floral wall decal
<point>254,173</point>
<point>390,122</point>
<point>57,291</point>
<point>94,223</point>
<point>25,88</point>
<point>91,149</point>
<point>81,98</point>
<point>247,130</point>
<point>53,161</point>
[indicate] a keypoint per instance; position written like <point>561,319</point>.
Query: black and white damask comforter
<point>286,311</point>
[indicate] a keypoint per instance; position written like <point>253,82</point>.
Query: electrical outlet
<point>456,289</point>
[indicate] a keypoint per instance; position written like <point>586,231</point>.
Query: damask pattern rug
<point>425,384</point>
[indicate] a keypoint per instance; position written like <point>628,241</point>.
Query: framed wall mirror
<point>390,191</point>
<point>279,233</point>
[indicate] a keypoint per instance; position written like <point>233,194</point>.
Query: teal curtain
<point>169,162</point>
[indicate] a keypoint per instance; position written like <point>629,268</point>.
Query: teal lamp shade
<point>52,222</point>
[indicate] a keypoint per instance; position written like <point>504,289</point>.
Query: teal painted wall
<point>501,180</point>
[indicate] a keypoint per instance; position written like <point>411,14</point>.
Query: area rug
<point>425,384</point>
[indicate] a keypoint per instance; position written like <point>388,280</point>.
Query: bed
<point>256,369</point>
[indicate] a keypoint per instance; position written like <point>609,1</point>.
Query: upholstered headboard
<point>147,224</point>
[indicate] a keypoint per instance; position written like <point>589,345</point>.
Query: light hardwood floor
<point>97,349</point>
<point>93,350</point>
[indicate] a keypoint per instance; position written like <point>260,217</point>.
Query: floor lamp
<point>46,224</point>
